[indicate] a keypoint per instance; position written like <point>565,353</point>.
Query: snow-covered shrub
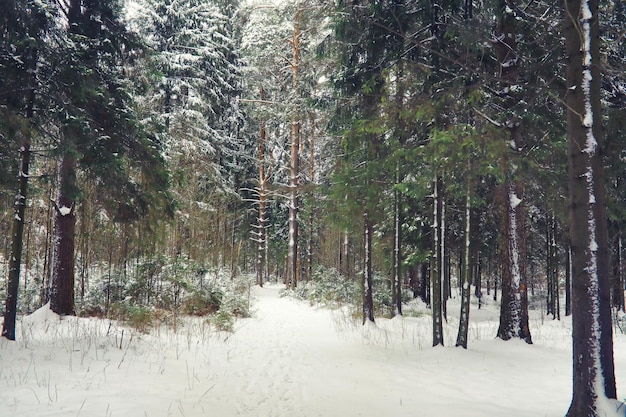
<point>202,302</point>
<point>237,297</point>
<point>328,287</point>
<point>158,290</point>
<point>176,285</point>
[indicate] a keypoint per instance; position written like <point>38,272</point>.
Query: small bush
<point>224,321</point>
<point>140,318</point>
<point>329,288</point>
<point>202,303</point>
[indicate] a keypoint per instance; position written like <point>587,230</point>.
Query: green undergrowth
<point>160,293</point>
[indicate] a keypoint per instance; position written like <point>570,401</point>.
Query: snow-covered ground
<point>291,360</point>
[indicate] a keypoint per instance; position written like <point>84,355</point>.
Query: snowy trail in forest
<point>289,360</point>
<point>289,363</point>
<point>292,359</point>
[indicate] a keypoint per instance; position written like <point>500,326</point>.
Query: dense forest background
<point>386,143</point>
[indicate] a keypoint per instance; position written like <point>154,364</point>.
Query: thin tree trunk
<point>309,273</point>
<point>425,283</point>
<point>261,235</point>
<point>549,260</point>
<point>47,262</point>
<point>345,255</point>
<point>15,259</point>
<point>465,277</point>
<point>293,269</point>
<point>617,299</point>
<point>436,268</point>
<point>443,264</point>
<point>568,282</point>
<point>397,254</point>
<point>555,270</point>
<point>368,301</point>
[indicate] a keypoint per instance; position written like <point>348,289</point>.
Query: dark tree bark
<point>424,289</point>
<point>568,282</point>
<point>552,268</point>
<point>465,277</point>
<point>592,333</point>
<point>19,25</point>
<point>15,259</point>
<point>617,298</point>
<point>62,280</point>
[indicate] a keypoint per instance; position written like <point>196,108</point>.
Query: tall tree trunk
<point>436,268</point>
<point>552,268</point>
<point>397,254</point>
<point>62,280</point>
<point>514,300</point>
<point>444,272</point>
<point>15,259</point>
<point>368,300</point>
<point>592,332</point>
<point>568,281</point>
<point>293,269</point>
<point>261,235</point>
<point>344,252</point>
<point>466,276</point>
<point>309,271</point>
<point>44,292</point>
<point>617,299</point>
<point>425,283</point>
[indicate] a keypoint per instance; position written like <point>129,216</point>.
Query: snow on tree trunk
<point>514,304</point>
<point>368,301</point>
<point>594,388</point>
<point>261,238</point>
<point>514,301</point>
<point>62,279</point>
<point>397,256</point>
<point>436,268</point>
<point>309,272</point>
<point>293,272</point>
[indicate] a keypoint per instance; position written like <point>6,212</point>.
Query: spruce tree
<point>98,131</point>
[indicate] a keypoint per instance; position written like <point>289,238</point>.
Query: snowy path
<point>289,360</point>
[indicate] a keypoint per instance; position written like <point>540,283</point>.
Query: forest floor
<point>291,359</point>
